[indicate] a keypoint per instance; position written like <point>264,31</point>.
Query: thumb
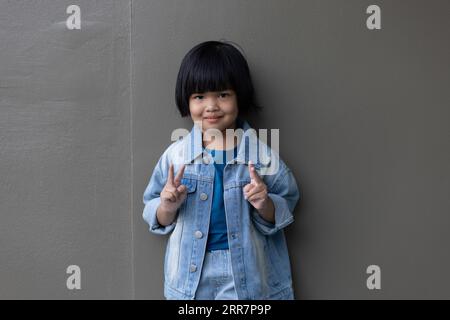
<point>182,188</point>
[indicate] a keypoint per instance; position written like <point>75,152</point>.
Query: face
<point>217,109</point>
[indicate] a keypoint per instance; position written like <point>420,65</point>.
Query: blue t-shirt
<point>217,236</point>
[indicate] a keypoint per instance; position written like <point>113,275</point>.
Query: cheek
<point>231,108</point>
<point>196,111</point>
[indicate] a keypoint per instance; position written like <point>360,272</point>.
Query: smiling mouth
<point>212,118</point>
<point>215,117</point>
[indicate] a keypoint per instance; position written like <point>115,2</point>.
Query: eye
<point>224,94</point>
<point>199,97</point>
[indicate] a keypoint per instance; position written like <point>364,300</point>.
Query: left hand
<point>256,191</point>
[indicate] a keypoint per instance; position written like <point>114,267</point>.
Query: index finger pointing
<point>253,173</point>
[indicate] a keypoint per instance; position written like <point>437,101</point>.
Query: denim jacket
<point>259,255</point>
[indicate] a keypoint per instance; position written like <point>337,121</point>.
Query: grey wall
<point>65,160</point>
<point>363,118</point>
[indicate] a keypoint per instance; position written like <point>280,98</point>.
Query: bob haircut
<point>215,66</point>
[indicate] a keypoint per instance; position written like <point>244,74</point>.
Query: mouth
<point>213,119</point>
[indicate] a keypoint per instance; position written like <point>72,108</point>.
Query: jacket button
<point>203,196</point>
<point>198,234</point>
<point>193,268</point>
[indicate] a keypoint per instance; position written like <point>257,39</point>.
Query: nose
<point>212,106</point>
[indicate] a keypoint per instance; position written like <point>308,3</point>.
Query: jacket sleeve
<point>152,197</point>
<point>285,195</point>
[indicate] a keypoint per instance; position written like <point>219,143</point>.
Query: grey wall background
<point>65,154</point>
<point>363,118</point>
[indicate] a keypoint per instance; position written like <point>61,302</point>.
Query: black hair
<point>215,66</point>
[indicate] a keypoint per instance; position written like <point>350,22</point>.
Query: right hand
<point>174,193</point>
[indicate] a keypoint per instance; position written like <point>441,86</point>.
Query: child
<point>225,218</point>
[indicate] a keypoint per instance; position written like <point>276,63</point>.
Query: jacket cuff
<point>283,216</point>
<point>149,216</point>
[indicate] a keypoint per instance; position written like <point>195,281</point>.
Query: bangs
<point>212,72</point>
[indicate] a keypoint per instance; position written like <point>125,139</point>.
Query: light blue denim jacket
<point>259,255</point>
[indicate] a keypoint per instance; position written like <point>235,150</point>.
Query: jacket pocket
<point>191,184</point>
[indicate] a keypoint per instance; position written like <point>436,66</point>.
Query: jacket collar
<point>193,146</point>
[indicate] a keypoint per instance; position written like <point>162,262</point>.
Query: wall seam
<point>133,289</point>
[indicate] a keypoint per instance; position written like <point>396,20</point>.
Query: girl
<point>225,216</point>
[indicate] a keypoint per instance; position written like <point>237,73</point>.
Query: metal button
<point>203,196</point>
<point>193,268</point>
<point>206,159</point>
<point>198,234</point>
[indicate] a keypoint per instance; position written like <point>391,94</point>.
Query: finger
<point>256,189</point>
<point>172,190</point>
<point>168,196</point>
<point>182,189</point>
<point>248,187</point>
<point>179,176</point>
<point>258,196</point>
<point>170,177</point>
<point>253,173</point>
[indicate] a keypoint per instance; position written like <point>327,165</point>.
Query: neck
<point>221,143</point>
